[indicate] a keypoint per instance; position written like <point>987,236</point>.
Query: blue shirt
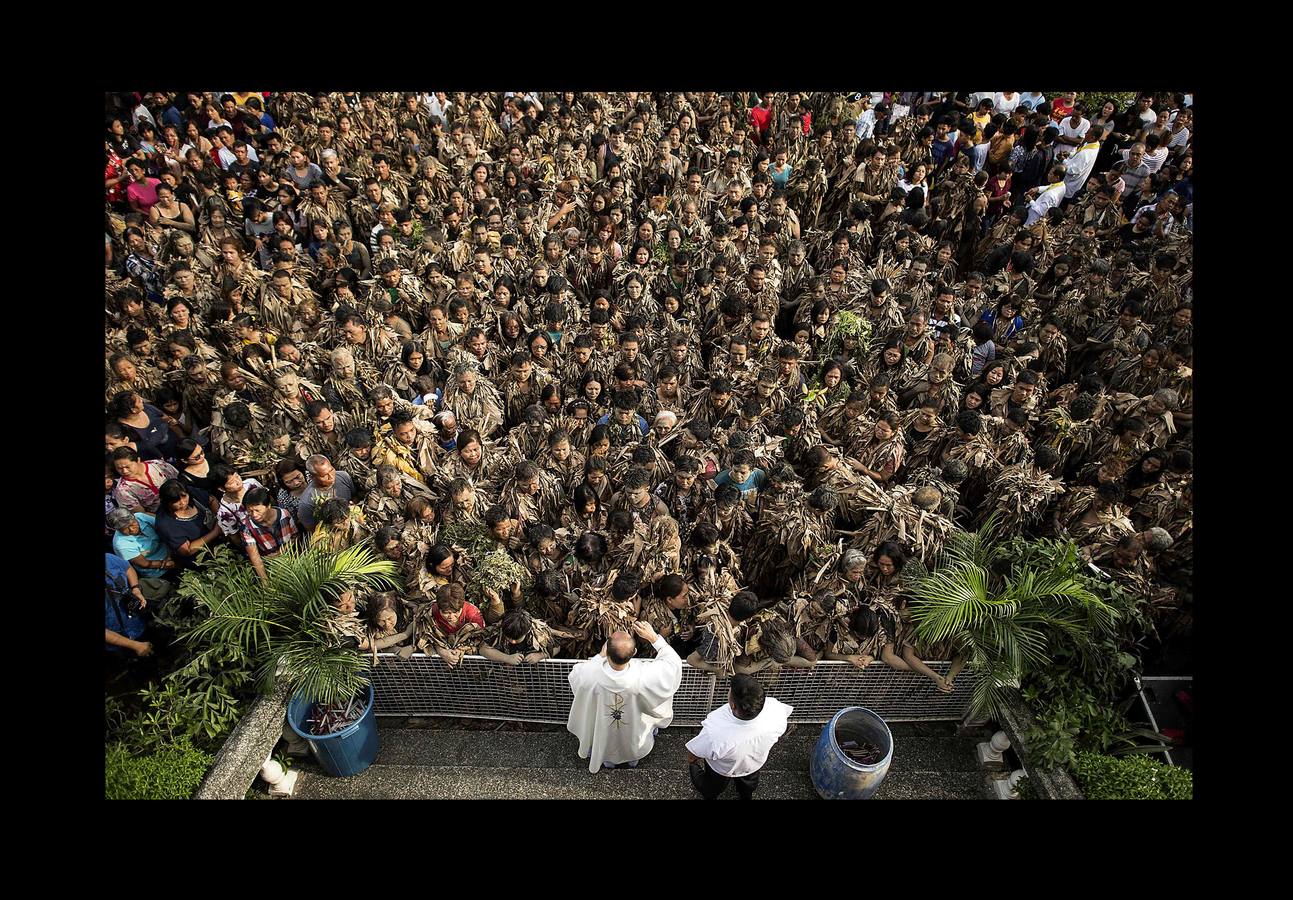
<point>1016,324</point>
<point>116,593</point>
<point>146,544</point>
<point>642,423</point>
<point>753,481</point>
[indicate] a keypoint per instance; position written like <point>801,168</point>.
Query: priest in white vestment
<point>620,702</point>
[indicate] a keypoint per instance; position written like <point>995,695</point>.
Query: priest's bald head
<point>620,649</point>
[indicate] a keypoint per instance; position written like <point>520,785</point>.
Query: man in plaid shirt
<point>266,528</point>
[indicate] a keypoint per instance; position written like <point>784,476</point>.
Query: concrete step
<point>387,782</point>
<point>436,764</point>
<point>558,750</point>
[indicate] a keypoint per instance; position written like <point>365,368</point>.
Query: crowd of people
<point>723,364</point>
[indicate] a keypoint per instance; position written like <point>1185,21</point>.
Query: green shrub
<point>1095,99</point>
<point>1131,778</point>
<point>172,773</point>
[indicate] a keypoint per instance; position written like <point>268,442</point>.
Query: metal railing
<point>481,689</point>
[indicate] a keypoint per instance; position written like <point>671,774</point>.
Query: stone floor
<point>931,761</point>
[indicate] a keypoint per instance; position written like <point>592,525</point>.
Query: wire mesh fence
<point>480,689</point>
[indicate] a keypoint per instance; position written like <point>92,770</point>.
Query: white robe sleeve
<point>661,679</point>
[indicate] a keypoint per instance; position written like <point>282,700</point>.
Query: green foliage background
<point>1131,778</point>
<point>171,773</point>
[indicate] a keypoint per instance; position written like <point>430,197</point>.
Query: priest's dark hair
<point>747,696</point>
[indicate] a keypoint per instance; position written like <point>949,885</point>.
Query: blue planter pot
<point>835,776</point>
<point>345,753</point>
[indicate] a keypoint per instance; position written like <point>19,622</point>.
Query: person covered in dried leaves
<point>532,347</point>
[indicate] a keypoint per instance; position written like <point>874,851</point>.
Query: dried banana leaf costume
<point>815,626</point>
<point>481,410</point>
<point>920,532</point>
<point>713,616</point>
<point>1020,494</point>
<point>598,615</point>
<point>539,640</point>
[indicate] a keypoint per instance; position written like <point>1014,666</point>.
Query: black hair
<point>171,491</point>
<point>257,496</point>
<point>626,584</point>
<point>1112,492</point>
<point>970,421</point>
<point>438,554</point>
<point>516,624</point>
<point>495,515</point>
<point>360,437</point>
<point>590,547</point>
<point>744,604</point>
<point>237,414</point>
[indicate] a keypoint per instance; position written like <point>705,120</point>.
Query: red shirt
<point>115,168</point>
<point>470,613</point>
<point>1060,112</point>
<point>761,118</point>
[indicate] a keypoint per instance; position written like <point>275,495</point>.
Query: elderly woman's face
<point>386,621</point>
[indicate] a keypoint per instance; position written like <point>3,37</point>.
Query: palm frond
<point>949,601</point>
<point>323,674</point>
<point>284,622</point>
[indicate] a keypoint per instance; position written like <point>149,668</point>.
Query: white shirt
<point>436,107</point>
<point>737,747</point>
<point>1067,129</point>
<point>228,157</point>
<point>866,124</point>
<point>1049,198</point>
<point>1003,105</point>
<point>1032,100</point>
<point>228,514</point>
<point>141,112</point>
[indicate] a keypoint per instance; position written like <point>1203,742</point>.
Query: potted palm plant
<point>1002,613</point>
<point>290,624</point>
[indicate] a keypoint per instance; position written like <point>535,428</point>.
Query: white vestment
<point>1078,168</point>
<point>615,712</point>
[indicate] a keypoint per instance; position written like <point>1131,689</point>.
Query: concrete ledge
<point>1047,783</point>
<point>239,760</point>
